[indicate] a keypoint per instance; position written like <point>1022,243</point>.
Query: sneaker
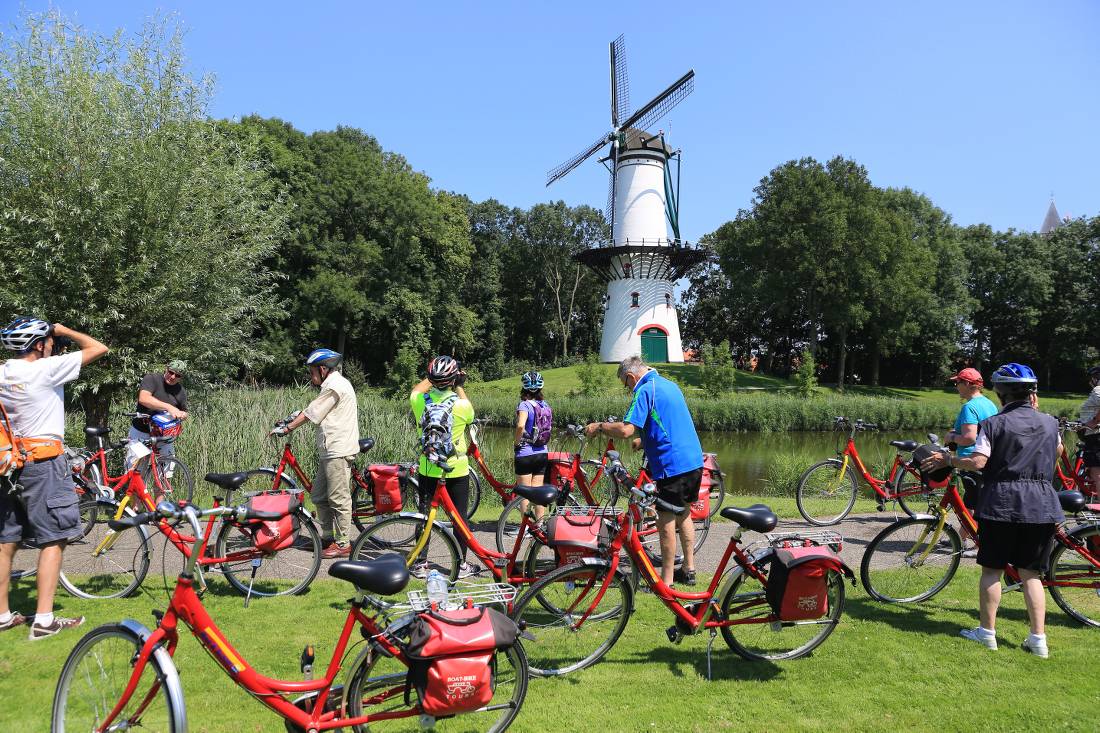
<point>1038,647</point>
<point>465,570</point>
<point>335,551</point>
<point>59,624</point>
<point>687,577</point>
<point>969,548</point>
<point>420,570</point>
<point>17,619</point>
<point>979,635</point>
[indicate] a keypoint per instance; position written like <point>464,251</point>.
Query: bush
<point>805,376</point>
<point>594,380</point>
<point>718,374</point>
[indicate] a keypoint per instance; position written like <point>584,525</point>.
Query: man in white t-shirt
<point>40,504</point>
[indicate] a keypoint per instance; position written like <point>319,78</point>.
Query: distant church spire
<point>1051,221</point>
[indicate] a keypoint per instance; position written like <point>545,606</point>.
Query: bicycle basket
<point>163,425</point>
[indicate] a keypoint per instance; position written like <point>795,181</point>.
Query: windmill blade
<point>576,160</point>
<point>620,82</point>
<point>609,211</point>
<point>663,103</point>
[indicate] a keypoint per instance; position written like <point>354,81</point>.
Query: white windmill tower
<point>642,260</point>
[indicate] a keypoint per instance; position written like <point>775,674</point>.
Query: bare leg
<point>1035,598</point>
<point>1094,478</point>
<point>989,596</point>
<point>687,540</point>
<point>666,531</point>
<point>528,479</point>
<point>7,553</point>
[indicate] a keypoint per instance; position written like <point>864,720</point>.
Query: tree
<point>124,210</point>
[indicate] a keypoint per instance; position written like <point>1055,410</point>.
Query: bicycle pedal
<point>674,634</point>
<point>880,507</point>
<point>500,562</point>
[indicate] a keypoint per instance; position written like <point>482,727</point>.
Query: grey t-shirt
<point>174,395</point>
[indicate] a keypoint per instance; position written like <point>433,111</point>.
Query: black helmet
<point>442,371</point>
<point>1094,372</point>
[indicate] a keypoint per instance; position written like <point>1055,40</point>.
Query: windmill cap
<point>971,375</point>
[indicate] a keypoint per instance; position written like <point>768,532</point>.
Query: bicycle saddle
<point>906,445</point>
<point>385,575</point>
<point>541,495</point>
<point>758,517</point>
<point>365,444</point>
<point>228,481</point>
<point>1072,501</point>
<point>95,431</point>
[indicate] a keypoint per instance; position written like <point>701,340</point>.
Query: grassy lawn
<point>885,667</point>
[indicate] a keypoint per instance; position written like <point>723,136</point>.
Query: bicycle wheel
<point>105,563</point>
<point>95,676</point>
<point>1074,582</point>
<point>401,534</point>
<point>362,506</point>
<point>755,638</point>
<point>907,562</point>
<point>284,573</point>
<point>913,495</point>
<point>170,481</point>
<point>825,495</point>
<point>377,686</point>
<point>508,527</point>
<point>651,541</point>
<point>717,490</point>
<point>473,501</point>
<point>554,610</point>
<point>263,479</point>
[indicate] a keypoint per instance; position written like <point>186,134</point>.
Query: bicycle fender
<point>171,680</point>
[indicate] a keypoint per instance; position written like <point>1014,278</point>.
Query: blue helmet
<point>24,332</point>
<point>532,380</point>
<point>324,357</point>
<point>1017,375</point>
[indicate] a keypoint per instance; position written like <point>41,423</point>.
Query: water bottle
<point>437,588</point>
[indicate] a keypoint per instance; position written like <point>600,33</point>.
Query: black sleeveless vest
<point>1018,473</point>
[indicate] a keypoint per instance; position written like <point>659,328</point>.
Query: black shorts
<point>532,464</point>
<point>1015,543</point>
<point>1091,453</point>
<point>680,490</point>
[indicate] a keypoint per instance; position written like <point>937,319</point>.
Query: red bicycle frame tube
<point>187,607</point>
<point>288,459</point>
<point>502,489</point>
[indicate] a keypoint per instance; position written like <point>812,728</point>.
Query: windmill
<point>641,261</point>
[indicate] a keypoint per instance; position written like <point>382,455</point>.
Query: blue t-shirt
<point>973,412</point>
<point>668,433</point>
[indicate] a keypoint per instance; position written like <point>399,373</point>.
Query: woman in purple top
<point>533,422</point>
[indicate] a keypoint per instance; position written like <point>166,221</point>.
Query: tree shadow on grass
<point>725,664</point>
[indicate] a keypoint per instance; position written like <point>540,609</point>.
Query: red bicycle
<point>1072,472</point>
<point>121,676</point>
<point>105,563</point>
<point>827,490</point>
<point>168,477</point>
<point>915,558</point>
<point>579,611</point>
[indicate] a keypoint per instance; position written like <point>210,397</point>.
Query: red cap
<point>970,374</point>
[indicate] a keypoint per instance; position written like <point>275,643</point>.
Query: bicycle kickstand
<point>252,579</point>
<point>710,644</point>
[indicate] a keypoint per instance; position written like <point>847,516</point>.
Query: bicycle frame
<point>881,487</point>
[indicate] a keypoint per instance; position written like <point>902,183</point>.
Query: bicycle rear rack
<point>823,537</point>
<point>480,594</point>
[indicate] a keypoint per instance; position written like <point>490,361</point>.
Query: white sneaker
<point>420,570</point>
<point>1035,646</point>
<point>981,636</point>
<point>465,570</point>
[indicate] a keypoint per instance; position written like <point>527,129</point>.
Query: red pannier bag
<point>798,583</point>
<point>277,534</point>
<point>574,537</point>
<point>452,658</point>
<point>386,482</point>
<point>559,469</point>
<point>700,508</point>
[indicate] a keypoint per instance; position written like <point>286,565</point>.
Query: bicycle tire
<point>379,672</point>
<point>914,504</point>
<point>822,496</point>
<point>648,535</point>
<point>507,525</point>
<point>111,649</point>
<point>717,486</point>
<point>399,534</point>
<point>362,506</point>
<point>114,573</point>
<point>262,480</point>
<point>473,499</point>
<point>172,480</point>
<point>892,570</point>
<point>287,572</point>
<point>745,600</point>
<point>545,611</point>
<point>1067,565</point>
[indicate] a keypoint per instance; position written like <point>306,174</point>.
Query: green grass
<point>885,668</point>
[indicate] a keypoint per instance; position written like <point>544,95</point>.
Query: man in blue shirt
<point>660,413</point>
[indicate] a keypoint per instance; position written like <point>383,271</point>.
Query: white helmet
<point>23,333</point>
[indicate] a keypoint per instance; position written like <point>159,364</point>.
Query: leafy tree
<point>594,379</point>
<point>125,211</point>
<point>718,373</point>
<point>805,375</point>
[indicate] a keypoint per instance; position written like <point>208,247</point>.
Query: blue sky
<point>986,107</point>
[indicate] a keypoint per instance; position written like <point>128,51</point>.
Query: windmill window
<point>628,269</point>
<point>668,300</point>
<point>634,299</point>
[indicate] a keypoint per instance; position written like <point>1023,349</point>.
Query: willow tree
<point>124,211</point>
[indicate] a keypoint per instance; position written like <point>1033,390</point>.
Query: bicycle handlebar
<point>168,510</point>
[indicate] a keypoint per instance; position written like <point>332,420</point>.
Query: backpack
<point>542,422</point>
<point>276,534</point>
<point>436,427</point>
<point>452,658</point>
<point>798,583</point>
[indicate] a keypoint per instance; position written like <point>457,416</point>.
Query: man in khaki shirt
<point>336,414</point>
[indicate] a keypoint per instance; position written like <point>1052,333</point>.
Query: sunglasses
<point>171,373</point>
